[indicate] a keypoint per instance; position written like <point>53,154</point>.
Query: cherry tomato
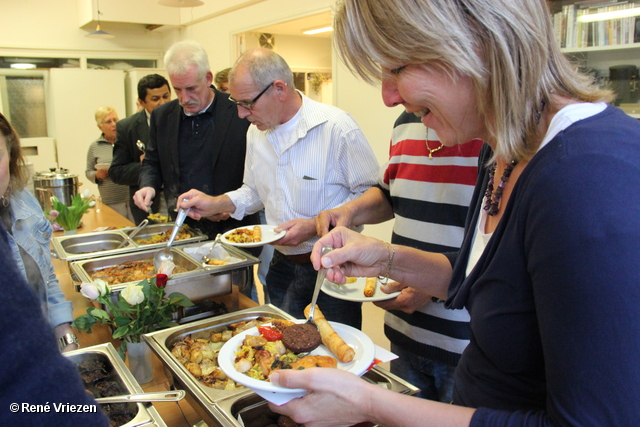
<point>269,333</point>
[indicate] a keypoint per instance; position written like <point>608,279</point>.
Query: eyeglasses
<point>249,105</point>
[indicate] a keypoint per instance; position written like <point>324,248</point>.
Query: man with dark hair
<point>153,91</point>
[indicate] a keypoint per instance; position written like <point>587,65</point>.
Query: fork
<point>322,273</point>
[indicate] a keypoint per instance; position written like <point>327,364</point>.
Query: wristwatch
<point>66,340</point>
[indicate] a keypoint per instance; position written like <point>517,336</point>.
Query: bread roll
<point>330,337</point>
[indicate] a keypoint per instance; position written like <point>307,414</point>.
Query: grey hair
<point>265,66</point>
<point>103,112</point>
<point>182,55</point>
<point>506,47</point>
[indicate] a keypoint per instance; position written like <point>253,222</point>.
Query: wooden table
<point>174,414</point>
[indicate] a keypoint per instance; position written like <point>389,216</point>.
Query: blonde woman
<point>548,268</point>
<point>99,159</point>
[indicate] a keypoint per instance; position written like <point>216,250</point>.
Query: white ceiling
<point>297,26</point>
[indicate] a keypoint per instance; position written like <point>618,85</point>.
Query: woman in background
<point>101,153</point>
<point>29,235</point>
<point>548,268</point>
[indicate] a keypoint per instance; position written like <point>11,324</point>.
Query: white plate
<point>355,291</point>
<point>362,344</point>
<point>268,236</point>
<point>102,166</point>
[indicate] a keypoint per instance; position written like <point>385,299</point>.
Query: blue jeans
<point>290,288</point>
<point>434,379</point>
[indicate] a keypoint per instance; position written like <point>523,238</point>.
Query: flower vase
<point>140,361</point>
<point>70,232</point>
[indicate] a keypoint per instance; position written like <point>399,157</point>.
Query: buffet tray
<point>200,281</point>
<point>117,371</point>
<point>105,243</point>
<point>222,407</point>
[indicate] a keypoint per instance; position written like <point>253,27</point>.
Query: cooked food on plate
<point>129,271</point>
<point>351,280</point>
<point>164,237</point>
<point>370,286</point>
<point>279,346</point>
<point>245,235</point>
<point>330,337</point>
<point>200,355</point>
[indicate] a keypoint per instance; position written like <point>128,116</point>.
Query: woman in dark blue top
<point>550,265</point>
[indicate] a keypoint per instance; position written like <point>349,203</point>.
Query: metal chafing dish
<point>199,282</point>
<point>105,243</point>
<point>117,372</point>
<point>222,407</point>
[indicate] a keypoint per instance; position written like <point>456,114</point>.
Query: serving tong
<point>129,238</point>
<point>165,254</point>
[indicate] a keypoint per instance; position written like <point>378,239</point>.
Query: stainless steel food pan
<point>118,373</point>
<point>203,399</point>
<point>254,411</point>
<point>197,282</point>
<point>105,243</point>
<point>223,407</point>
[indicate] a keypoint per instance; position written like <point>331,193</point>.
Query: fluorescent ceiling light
<point>23,66</point>
<point>181,3</point>
<point>318,30</point>
<point>615,14</point>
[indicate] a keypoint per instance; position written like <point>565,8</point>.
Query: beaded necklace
<point>492,200</point>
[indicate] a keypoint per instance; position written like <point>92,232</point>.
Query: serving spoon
<point>154,396</point>
<point>165,254</point>
<point>206,258</point>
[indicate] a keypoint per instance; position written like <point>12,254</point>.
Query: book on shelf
<point>571,33</point>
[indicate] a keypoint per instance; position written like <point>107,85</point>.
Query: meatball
<point>301,337</point>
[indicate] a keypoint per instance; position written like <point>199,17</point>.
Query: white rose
<point>89,290</point>
<point>166,267</point>
<point>133,294</point>
<point>103,287</point>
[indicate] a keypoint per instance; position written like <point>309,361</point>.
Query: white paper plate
<point>102,166</point>
<point>268,236</point>
<point>355,291</point>
<point>362,344</point>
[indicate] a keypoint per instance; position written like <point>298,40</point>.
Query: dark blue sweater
<point>555,297</point>
<point>33,372</point>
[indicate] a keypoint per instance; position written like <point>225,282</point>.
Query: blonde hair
<point>506,47</point>
<point>103,112</point>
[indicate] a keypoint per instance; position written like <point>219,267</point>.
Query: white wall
<point>73,116</point>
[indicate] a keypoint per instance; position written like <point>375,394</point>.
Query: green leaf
<point>98,313</point>
<point>179,299</point>
<point>120,332</point>
<point>120,320</point>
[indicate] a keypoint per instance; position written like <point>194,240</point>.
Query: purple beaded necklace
<point>492,200</point>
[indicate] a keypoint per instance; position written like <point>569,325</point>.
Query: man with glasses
<point>195,141</point>
<point>302,157</point>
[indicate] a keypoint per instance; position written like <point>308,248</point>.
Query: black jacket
<point>125,166</point>
<point>161,165</point>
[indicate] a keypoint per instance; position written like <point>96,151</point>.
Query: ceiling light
<point>603,16</point>
<point>23,66</point>
<point>98,33</point>
<point>181,3</point>
<point>318,30</point>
